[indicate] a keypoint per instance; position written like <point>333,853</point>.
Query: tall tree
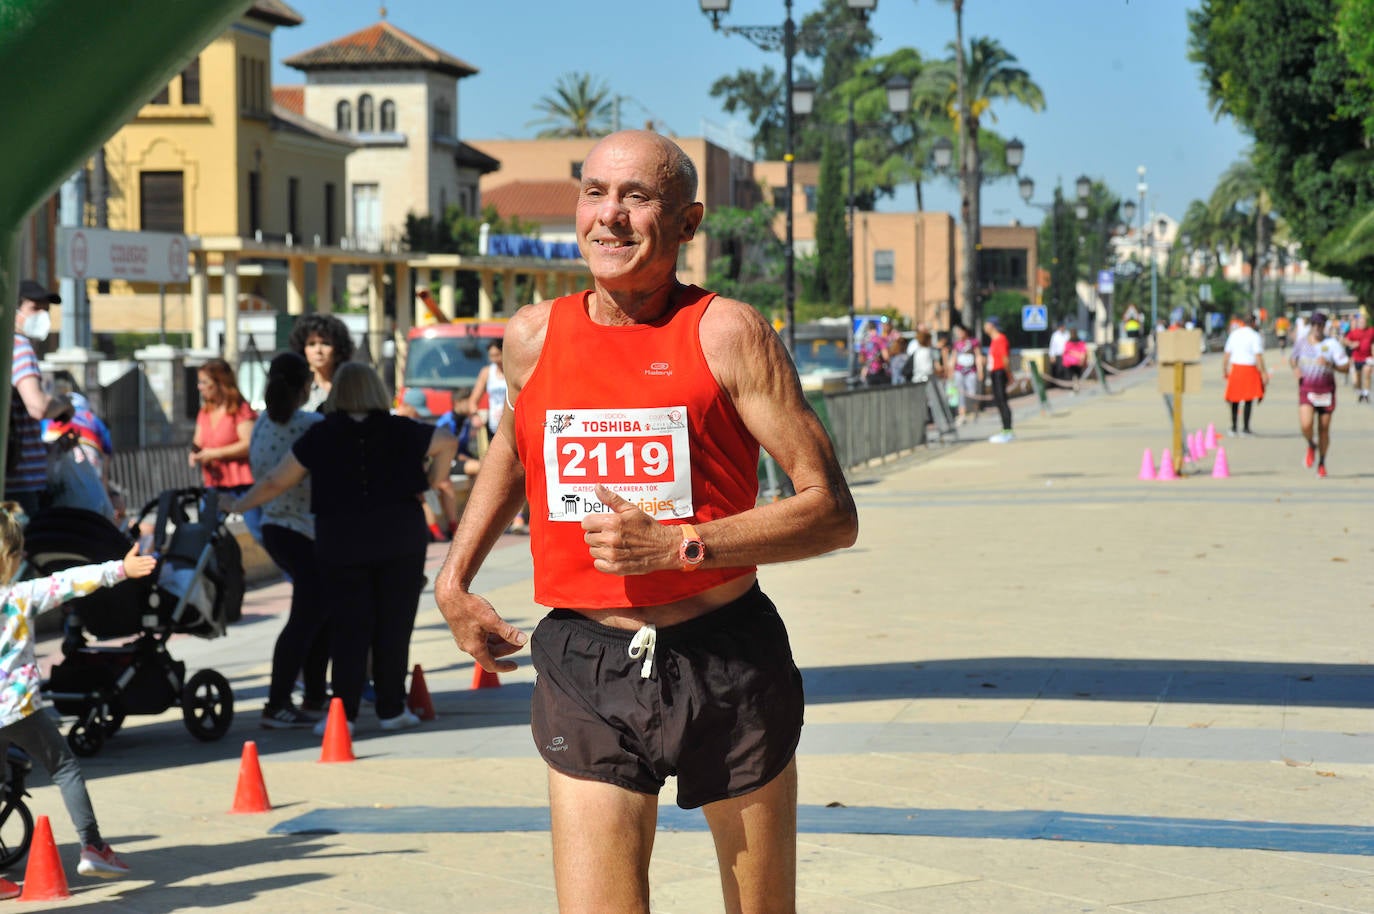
<point>1279,68</point>
<point>989,75</point>
<point>580,106</point>
<point>1241,199</point>
<point>832,236</point>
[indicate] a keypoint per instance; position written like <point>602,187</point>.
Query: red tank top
<point>636,409</point>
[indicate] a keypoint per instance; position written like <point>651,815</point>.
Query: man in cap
<point>1316,358</point>
<point>26,464</point>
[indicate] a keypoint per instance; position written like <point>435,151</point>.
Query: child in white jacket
<point>22,720</point>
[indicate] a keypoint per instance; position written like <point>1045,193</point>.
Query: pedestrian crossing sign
<point>1035,317</point>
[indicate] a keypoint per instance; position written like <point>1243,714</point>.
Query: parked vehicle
<point>443,358</point>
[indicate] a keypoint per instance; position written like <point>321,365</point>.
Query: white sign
<point>91,253</point>
<point>1035,317</point>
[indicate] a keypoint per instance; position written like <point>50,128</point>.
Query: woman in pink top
<point>224,428</point>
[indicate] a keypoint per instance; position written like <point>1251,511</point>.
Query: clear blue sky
<point>1118,87</point>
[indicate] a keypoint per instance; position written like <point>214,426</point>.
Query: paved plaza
<point>1035,685</point>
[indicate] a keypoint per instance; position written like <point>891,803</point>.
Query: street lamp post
<point>1027,188</point>
<point>784,38</point>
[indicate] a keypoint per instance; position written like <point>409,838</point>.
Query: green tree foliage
<point>832,236</point>
<point>580,106</point>
<point>749,265</point>
<point>1282,71</point>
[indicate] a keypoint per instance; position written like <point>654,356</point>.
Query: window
<point>779,198</point>
<point>366,119</point>
<point>293,200</point>
<point>810,191</point>
<point>464,206</point>
<point>162,98</point>
<point>443,118</point>
<point>443,201</point>
<point>330,220</point>
<point>190,83</point>
<point>162,203</point>
<point>388,116</point>
<point>243,84</point>
<point>883,266</point>
<point>577,171</point>
<point>343,116</point>
<point>367,215</point>
<point>254,202</point>
<point>1003,268</point>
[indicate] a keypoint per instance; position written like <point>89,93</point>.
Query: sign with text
<point>92,253</point>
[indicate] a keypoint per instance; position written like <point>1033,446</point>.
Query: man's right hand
<point>479,631</point>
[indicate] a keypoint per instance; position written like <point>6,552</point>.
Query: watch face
<point>693,551</point>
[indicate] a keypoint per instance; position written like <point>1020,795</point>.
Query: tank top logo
<point>640,454</point>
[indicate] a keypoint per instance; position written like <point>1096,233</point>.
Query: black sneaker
<point>287,718</point>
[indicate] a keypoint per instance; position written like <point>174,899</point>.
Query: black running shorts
<point>721,709</point>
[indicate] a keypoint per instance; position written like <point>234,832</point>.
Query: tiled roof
<point>376,47</point>
<point>275,12</point>
<point>535,201</point>
<point>292,98</point>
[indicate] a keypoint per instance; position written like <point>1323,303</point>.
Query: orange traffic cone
<point>251,793</point>
<point>481,679</point>
<point>418,701</point>
<point>44,878</point>
<point>1221,469</point>
<point>1147,466</point>
<point>1166,466</point>
<point>338,741</point>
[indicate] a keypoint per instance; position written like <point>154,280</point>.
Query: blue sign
<point>1035,317</point>
<point>1106,281</point>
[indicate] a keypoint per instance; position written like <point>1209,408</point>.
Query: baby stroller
<point>197,589</point>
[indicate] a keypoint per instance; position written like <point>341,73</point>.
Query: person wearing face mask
<point>26,463</point>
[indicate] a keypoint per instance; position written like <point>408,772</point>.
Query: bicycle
<point>16,821</point>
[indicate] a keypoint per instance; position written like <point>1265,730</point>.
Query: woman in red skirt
<point>1242,365</point>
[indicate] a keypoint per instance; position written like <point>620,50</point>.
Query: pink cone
<point>1210,439</point>
<point>1147,466</point>
<point>1221,469</point>
<point>1195,446</point>
<point>1166,466</point>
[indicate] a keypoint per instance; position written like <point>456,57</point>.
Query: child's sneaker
<point>101,862</point>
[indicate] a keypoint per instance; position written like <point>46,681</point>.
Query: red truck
<point>444,358</point>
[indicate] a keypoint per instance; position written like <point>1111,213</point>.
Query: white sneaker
<point>403,721</point>
<point>1001,438</point>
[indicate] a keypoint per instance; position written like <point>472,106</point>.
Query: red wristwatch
<point>692,552</point>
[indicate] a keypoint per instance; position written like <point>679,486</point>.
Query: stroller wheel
<point>16,829</point>
<point>111,717</point>
<point>207,705</point>
<point>87,735</point>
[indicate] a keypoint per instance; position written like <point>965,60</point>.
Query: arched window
<point>366,121</point>
<point>388,116</point>
<point>343,117</point>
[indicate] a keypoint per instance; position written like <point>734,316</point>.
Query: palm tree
<point>1242,203</point>
<point>974,81</point>
<point>578,107</point>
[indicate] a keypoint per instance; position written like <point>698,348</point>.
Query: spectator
<point>288,535</point>
<point>999,373</point>
<point>1358,342</point>
<point>26,463</point>
<point>224,430</point>
<point>1074,358</point>
<point>1242,367</point>
<point>899,360</point>
<point>873,358</point>
<point>968,370</point>
<point>367,470</point>
<point>923,366</point>
<point>1058,339</point>
<point>326,344</point>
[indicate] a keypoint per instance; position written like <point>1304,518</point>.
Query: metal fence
<point>870,423</point>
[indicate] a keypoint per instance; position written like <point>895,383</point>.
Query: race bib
<point>640,454</point>
<point>1320,401</point>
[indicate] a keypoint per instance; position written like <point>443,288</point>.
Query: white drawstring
<point>642,645</point>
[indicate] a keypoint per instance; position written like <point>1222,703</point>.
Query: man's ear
<point>691,220</point>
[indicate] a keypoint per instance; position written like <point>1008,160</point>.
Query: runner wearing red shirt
<point>999,371</point>
<point>1359,339</point>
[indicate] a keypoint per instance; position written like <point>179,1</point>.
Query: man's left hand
<point>628,541</point>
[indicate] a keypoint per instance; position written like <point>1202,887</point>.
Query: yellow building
<point>213,156</point>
